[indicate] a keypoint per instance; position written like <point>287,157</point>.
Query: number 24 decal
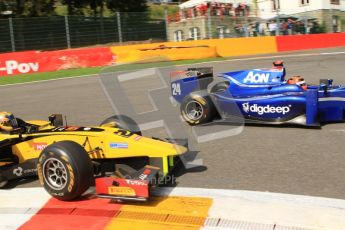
<point>176,89</point>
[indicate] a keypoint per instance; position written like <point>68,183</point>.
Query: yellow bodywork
<point>100,142</point>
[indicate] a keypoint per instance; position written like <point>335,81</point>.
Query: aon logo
<point>257,77</point>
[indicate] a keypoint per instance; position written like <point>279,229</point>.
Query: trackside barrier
<point>164,53</point>
<point>35,61</point>
<point>311,41</point>
<point>230,47</point>
<point>245,46</point>
<point>195,49</point>
<point>20,62</point>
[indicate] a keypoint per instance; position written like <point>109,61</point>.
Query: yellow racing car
<point>67,159</point>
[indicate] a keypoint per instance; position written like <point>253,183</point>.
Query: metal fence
<point>51,33</point>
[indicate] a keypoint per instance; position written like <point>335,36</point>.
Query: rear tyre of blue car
<point>197,109</point>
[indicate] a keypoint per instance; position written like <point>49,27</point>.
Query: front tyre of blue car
<point>220,87</point>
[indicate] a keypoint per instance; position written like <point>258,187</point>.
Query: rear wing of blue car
<point>184,82</point>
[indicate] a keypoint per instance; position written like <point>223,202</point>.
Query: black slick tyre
<point>65,170</point>
<point>197,109</point>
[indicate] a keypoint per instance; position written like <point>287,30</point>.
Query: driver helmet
<point>7,122</point>
<point>297,80</point>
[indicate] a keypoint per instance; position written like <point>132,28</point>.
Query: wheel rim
<point>55,174</point>
<point>194,110</point>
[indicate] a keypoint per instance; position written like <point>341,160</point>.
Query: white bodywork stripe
<point>332,99</point>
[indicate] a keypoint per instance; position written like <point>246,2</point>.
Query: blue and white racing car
<point>257,95</point>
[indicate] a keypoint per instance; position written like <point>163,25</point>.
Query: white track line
<point>337,130</point>
<point>56,79</point>
<point>333,53</point>
<point>200,63</point>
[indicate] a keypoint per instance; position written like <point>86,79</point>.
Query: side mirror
<point>324,87</point>
<point>56,120</point>
<point>17,131</point>
<point>325,84</point>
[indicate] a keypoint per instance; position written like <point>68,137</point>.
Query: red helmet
<point>278,63</point>
<point>298,80</point>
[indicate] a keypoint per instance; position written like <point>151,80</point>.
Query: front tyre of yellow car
<point>65,170</point>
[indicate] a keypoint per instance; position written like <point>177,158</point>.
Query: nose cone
<point>159,148</point>
<point>180,149</point>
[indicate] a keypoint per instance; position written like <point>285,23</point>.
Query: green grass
<point>14,79</point>
<point>24,78</point>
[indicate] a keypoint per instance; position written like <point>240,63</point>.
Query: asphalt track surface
<point>290,160</point>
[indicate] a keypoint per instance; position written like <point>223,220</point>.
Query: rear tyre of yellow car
<point>197,109</point>
<point>65,170</point>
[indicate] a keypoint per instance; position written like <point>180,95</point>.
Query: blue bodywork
<point>264,96</point>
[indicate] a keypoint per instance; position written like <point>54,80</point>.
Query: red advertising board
<point>35,61</point>
<point>312,41</point>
